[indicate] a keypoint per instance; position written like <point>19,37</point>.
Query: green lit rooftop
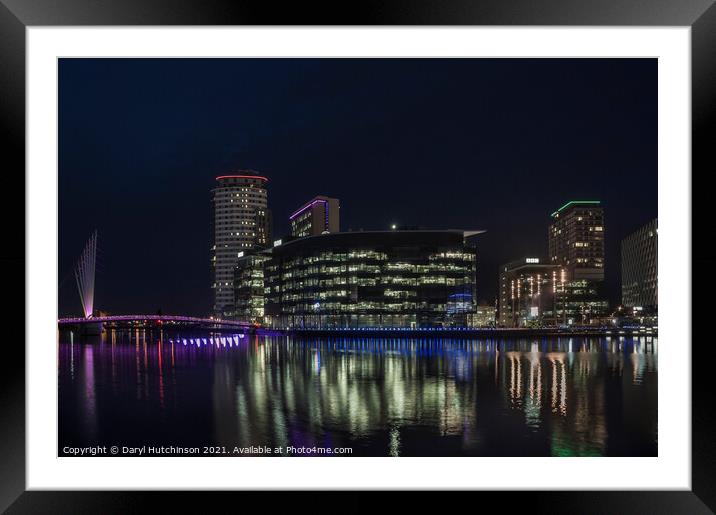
<point>576,202</point>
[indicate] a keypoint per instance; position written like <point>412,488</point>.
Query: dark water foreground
<point>375,396</point>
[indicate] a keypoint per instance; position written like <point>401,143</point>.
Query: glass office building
<point>582,302</point>
<point>249,286</point>
<point>411,279</point>
<point>639,268</point>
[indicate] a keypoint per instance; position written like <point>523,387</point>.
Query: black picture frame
<point>17,15</point>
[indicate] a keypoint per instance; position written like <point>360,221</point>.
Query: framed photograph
<point>418,249</point>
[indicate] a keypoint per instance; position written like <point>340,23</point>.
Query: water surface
<point>376,396</point>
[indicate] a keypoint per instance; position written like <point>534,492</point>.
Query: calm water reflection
<point>382,396</point>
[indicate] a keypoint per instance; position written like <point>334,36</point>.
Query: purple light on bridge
<point>153,318</point>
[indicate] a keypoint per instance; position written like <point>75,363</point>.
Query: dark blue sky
<point>495,144</point>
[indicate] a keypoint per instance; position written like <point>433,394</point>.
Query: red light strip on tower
<point>242,177</point>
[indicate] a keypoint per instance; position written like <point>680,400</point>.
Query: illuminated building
<point>582,302</point>
<point>371,279</point>
<point>240,221</point>
<point>529,291</point>
<point>576,243</point>
<point>249,286</point>
<point>484,316</point>
<point>320,214</point>
<point>639,268</point>
<point>576,239</point>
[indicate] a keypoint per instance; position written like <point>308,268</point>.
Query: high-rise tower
<point>240,221</point>
<point>576,245</point>
<point>576,239</point>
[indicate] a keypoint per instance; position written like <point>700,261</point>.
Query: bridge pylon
<point>85,274</point>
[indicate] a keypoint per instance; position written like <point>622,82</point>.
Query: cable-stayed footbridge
<point>85,272</point>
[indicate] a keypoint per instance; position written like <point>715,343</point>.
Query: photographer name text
<point>164,450</point>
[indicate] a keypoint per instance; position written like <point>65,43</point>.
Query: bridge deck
<point>153,318</point>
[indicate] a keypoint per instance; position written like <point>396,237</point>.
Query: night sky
<point>494,144</point>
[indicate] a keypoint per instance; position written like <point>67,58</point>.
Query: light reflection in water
<point>394,449</point>
<point>391,396</point>
<point>90,401</point>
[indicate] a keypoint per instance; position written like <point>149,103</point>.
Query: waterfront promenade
<point>184,322</point>
<point>483,332</point>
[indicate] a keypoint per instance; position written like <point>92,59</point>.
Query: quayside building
<point>410,279</point>
<point>576,240</point>
<point>529,293</point>
<point>640,268</point>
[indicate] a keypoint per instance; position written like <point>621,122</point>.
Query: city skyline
<point>402,182</point>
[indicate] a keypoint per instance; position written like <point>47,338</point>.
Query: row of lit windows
<point>302,217</point>
<point>236,191</point>
<point>465,256</point>
<point>367,281</point>
<point>372,255</point>
<point>363,267</point>
<point>225,202</point>
<point>311,308</point>
<point>255,283</point>
<point>238,214</point>
<point>336,256</point>
<point>231,208</point>
<point>229,222</point>
<point>306,281</point>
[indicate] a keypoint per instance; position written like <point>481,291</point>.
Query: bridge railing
<point>153,318</point>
